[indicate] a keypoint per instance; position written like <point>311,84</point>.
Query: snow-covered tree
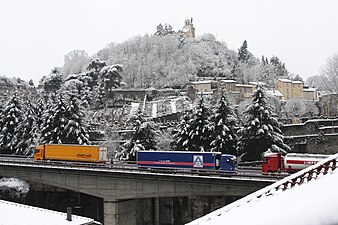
<point>279,69</point>
<point>75,62</point>
<point>54,122</point>
<point>144,137</point>
<point>160,30</point>
<point>28,130</point>
<point>11,118</point>
<point>261,130</point>
<point>243,53</point>
<point>330,74</point>
<point>224,137</point>
<point>164,140</point>
<point>110,77</point>
<point>63,121</point>
<point>53,81</point>
<point>200,129</point>
<point>75,128</point>
<point>181,137</point>
<point>298,108</point>
<point>94,68</point>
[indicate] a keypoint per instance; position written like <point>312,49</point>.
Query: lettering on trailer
<point>198,161</point>
<point>83,155</point>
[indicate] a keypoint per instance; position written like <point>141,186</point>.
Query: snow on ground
<point>173,105</point>
<point>312,203</point>
<point>134,107</point>
<point>13,183</point>
<point>154,110</point>
<point>16,214</point>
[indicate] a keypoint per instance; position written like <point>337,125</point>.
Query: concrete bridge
<point>115,185</point>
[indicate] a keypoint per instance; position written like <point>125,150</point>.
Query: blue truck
<point>187,160</point>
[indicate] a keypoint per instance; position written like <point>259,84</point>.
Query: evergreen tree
<point>54,122</point>
<point>200,129</point>
<point>75,129</point>
<point>53,82</point>
<point>243,53</point>
<point>181,137</point>
<point>279,69</point>
<point>31,83</point>
<point>261,130</point>
<point>160,30</point>
<point>26,131</point>
<point>12,116</point>
<point>110,77</point>
<point>224,131</point>
<point>144,137</point>
<point>94,68</point>
<point>63,121</point>
<point>298,78</point>
<point>100,96</point>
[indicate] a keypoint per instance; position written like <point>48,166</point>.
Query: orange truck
<point>65,152</point>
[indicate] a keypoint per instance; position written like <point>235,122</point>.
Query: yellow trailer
<point>65,152</point>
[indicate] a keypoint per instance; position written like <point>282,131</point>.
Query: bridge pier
<point>110,212</point>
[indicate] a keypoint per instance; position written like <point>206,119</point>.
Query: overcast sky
<point>36,34</point>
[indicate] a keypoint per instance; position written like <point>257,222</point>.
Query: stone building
<point>290,89</point>
<point>310,93</point>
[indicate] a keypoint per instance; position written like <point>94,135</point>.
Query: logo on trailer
<point>198,161</point>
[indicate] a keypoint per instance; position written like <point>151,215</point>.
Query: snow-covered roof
<point>244,85</point>
<point>285,80</point>
<point>201,82</point>
<point>15,213</point>
<point>229,81</point>
<point>205,93</point>
<point>297,82</point>
<point>309,89</point>
<point>274,93</point>
<point>307,197</point>
<point>328,127</point>
<point>257,83</point>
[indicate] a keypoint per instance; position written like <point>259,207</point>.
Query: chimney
<point>69,213</point>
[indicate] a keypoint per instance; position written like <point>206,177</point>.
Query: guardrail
<point>242,174</point>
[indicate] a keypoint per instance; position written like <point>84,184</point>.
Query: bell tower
<point>188,29</point>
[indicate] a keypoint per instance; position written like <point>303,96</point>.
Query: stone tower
<point>188,29</point>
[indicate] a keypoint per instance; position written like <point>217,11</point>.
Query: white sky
<point>36,34</point>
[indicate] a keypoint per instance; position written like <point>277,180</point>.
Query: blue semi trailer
<point>187,160</point>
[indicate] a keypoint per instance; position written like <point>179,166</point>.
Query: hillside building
<point>310,93</point>
<point>188,29</point>
<point>290,89</point>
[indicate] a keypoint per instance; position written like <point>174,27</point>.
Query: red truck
<point>292,162</point>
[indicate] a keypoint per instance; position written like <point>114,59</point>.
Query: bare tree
<point>75,62</point>
<point>330,73</point>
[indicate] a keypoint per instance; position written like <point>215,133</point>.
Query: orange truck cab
<point>39,152</point>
